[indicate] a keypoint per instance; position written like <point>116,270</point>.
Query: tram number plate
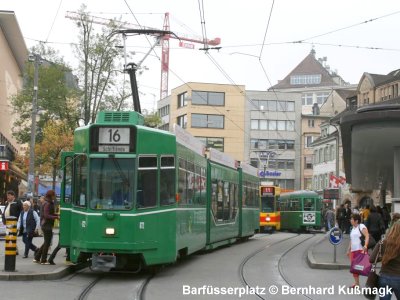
<point>114,139</point>
<point>308,218</point>
<point>114,136</point>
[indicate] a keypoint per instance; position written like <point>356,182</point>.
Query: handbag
<point>360,264</point>
<point>371,243</point>
<point>373,278</point>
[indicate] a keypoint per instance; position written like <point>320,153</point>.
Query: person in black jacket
<point>12,208</point>
<point>375,224</point>
<point>28,224</point>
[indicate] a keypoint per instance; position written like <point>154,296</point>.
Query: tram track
<point>280,267</point>
<point>108,280</point>
<point>252,255</point>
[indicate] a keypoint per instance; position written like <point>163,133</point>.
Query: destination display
<point>112,139</point>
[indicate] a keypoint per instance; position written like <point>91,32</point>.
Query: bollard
<point>11,244</point>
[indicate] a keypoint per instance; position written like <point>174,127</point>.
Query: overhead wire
<point>203,23</point>
<point>54,20</point>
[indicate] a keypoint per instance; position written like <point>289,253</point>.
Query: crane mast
<point>164,40</point>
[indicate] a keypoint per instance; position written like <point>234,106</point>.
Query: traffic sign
<point>335,236</point>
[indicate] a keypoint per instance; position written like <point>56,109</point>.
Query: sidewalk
<point>26,269</point>
<point>321,254</point>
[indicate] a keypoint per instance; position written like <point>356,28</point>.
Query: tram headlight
<point>110,231</point>
<point>268,219</point>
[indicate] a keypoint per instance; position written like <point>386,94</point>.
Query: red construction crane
<point>164,42</point>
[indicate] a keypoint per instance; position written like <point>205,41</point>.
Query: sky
<point>259,38</point>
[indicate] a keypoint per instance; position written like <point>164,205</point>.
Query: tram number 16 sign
<point>114,139</point>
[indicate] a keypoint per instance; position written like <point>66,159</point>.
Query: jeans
<point>391,281</point>
<point>28,243</point>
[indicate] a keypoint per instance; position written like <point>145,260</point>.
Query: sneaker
<point>35,261</point>
<point>25,256</point>
<point>45,263</point>
<point>50,262</point>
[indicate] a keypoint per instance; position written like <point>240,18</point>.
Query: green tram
<point>134,196</point>
<point>300,211</point>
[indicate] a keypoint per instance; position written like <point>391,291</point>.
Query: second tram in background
<point>270,217</point>
<point>300,211</point>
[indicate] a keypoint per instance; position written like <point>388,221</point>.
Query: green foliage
<point>56,96</point>
<point>152,120</point>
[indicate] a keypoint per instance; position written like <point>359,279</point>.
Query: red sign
<point>267,190</point>
<point>3,165</point>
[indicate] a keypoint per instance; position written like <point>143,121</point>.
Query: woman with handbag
<point>390,272</point>
<point>355,247</point>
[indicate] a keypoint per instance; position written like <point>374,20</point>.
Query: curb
<point>312,263</point>
<point>57,274</point>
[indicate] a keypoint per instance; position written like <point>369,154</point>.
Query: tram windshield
<point>267,204</point>
<point>111,183</point>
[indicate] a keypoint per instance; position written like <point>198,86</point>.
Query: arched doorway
<point>364,201</point>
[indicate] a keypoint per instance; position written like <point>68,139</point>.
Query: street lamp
<point>31,174</point>
<point>268,155</point>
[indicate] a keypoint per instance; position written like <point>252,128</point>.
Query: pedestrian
<point>55,251</point>
<point>375,224</point>
<point>386,217</point>
<point>12,208</point>
<point>347,216</point>
<point>330,219</point>
<point>365,214</point>
<point>28,224</point>
<point>341,216</point>
<point>47,224</point>
<point>389,276</point>
<point>355,246</point>
<point>35,206</point>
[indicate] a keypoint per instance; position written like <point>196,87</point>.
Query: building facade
<point>273,122</point>
<point>316,82</point>
<point>213,113</point>
<point>13,54</point>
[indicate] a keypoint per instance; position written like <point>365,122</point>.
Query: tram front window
<point>267,204</point>
<point>111,183</point>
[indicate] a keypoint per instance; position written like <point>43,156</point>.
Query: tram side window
<point>147,189</point>
<point>214,195</point>
<point>199,186</point>
<point>190,182</point>
<point>67,179</point>
<point>182,183</point>
<point>294,205</point>
<point>234,195</point>
<point>80,193</point>
<point>309,204</point>
<point>167,181</point>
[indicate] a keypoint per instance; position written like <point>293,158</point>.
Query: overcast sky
<point>356,36</point>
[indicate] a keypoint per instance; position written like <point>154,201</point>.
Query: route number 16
<point>114,136</point>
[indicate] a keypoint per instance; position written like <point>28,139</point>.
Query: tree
<point>57,137</point>
<point>152,119</point>
<point>99,68</point>
<point>57,95</point>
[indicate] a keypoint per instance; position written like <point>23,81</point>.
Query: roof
<point>346,93</point>
<point>309,66</point>
<point>10,28</point>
